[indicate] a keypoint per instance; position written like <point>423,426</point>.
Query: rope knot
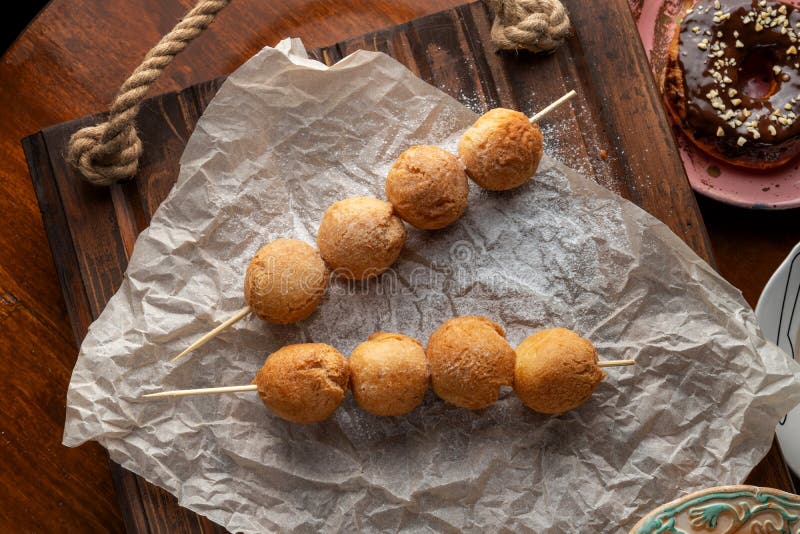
<point>103,158</point>
<point>535,25</point>
<point>109,152</point>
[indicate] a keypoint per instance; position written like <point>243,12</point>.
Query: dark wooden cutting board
<point>615,132</point>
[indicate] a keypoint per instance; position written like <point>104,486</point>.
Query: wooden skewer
<point>615,363</point>
<point>214,333</point>
<point>538,116</point>
<point>244,311</point>
<point>253,387</point>
<point>202,391</point>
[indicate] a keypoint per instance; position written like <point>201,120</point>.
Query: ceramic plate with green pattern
<point>726,510</point>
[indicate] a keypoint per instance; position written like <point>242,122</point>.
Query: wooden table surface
<point>68,63</point>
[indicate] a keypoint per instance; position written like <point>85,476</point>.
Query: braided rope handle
<point>109,152</point>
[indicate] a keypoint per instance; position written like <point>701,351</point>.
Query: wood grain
<point>68,63</point>
<point>56,72</point>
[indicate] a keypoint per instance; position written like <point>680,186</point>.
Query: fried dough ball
<point>501,150</point>
<point>303,383</point>
<point>556,371</point>
<point>285,281</point>
<point>389,374</point>
<point>470,359</point>
<point>360,237</point>
<point>427,187</point>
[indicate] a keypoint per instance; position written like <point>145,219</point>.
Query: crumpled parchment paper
<point>283,139</point>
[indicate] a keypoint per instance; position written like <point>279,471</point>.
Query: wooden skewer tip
<point>538,116</point>
<point>615,363</point>
<point>214,333</point>
<point>202,391</point>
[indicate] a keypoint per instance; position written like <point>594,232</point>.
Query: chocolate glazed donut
<point>717,49</point>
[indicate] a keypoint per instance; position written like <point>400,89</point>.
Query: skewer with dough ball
<point>427,187</point>
<point>470,360</point>
<point>360,237</point>
<point>285,282</point>
<point>503,148</point>
<point>389,374</point>
<point>556,371</point>
<point>303,383</point>
<point>467,360</point>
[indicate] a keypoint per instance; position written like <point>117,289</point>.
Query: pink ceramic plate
<point>777,189</point>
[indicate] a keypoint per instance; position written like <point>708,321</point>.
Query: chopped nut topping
<point>731,111</point>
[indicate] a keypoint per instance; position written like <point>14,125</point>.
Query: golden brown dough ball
<point>501,150</point>
<point>389,374</point>
<point>427,187</point>
<point>303,383</point>
<point>285,281</point>
<point>470,359</point>
<point>360,237</point>
<point>556,371</point>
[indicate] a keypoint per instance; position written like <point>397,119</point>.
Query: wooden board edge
<point>328,55</point>
<point>57,232</point>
